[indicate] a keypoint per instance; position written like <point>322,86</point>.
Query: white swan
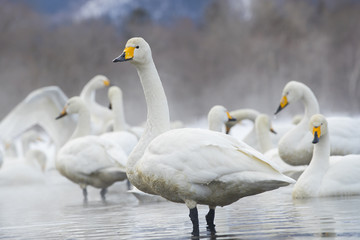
<point>263,128</point>
<point>101,116</point>
<point>250,138</point>
<point>325,175</point>
<point>89,160</point>
<point>126,140</point>
<point>119,122</point>
<point>191,166</point>
<point>218,116</point>
<point>295,146</point>
<point>39,109</point>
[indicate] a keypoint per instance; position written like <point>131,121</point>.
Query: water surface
<point>54,209</point>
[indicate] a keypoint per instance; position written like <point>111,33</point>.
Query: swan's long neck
<point>158,120</point>
<point>83,127</point>
<point>242,114</point>
<point>119,115</point>
<point>263,137</point>
<point>215,125</point>
<point>321,153</point>
<point>88,92</point>
<point>311,104</point>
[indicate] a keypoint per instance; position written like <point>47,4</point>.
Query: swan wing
<point>202,156</point>
<point>85,155</point>
<point>40,107</point>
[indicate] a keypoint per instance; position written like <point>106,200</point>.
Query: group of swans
<point>295,146</point>
<point>327,175</point>
<point>331,148</point>
<point>95,160</point>
<point>191,166</point>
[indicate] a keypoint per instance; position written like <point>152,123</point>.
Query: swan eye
<point>137,47</point>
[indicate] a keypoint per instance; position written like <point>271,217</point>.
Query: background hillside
<point>236,53</point>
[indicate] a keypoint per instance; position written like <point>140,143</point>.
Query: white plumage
<point>295,146</point>
<point>192,166</point>
<point>325,175</point>
<point>101,117</point>
<point>89,160</point>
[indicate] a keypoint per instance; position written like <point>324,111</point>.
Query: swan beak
<point>110,106</point>
<point>62,114</point>
<point>273,131</point>
<point>127,55</point>
<point>283,104</point>
<point>230,118</point>
<point>107,83</point>
<point>227,129</point>
<point>317,134</point>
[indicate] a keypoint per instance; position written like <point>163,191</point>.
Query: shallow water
<point>54,209</point>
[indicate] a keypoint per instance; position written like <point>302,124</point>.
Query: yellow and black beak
<point>283,104</point>
<point>316,134</point>
<point>127,55</point>
<point>62,114</point>
<point>273,131</point>
<point>230,118</point>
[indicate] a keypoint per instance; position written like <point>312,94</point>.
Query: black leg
<point>210,220</point>
<point>85,194</point>
<point>195,221</point>
<point>102,193</point>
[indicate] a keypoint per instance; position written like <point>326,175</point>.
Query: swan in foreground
<point>217,117</point>
<point>101,116</point>
<point>262,126</point>
<point>295,146</point>
<point>325,175</point>
<point>191,166</point>
<point>89,160</point>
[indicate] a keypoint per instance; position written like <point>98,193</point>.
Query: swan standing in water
<point>325,175</point>
<point>295,146</point>
<point>89,160</point>
<point>191,166</point>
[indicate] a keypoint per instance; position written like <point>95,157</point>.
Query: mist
<point>228,57</point>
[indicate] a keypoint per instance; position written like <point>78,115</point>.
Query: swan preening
<point>295,146</point>
<point>86,159</point>
<point>325,175</point>
<point>191,166</point>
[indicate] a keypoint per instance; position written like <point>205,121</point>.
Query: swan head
<point>318,127</point>
<point>73,105</point>
<point>291,93</point>
<point>99,81</point>
<point>218,116</point>
<point>263,121</point>
<point>114,93</point>
<point>137,51</point>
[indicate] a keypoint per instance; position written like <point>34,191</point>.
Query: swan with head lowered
<point>191,166</point>
<point>295,146</point>
<point>325,175</point>
<point>87,159</point>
